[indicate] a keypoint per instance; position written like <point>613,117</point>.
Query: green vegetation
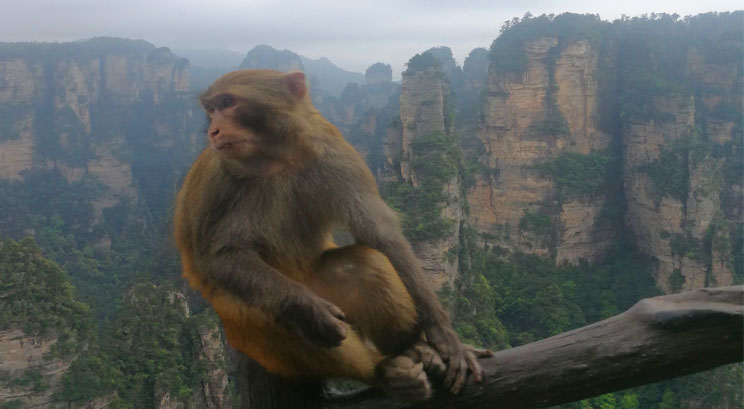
<point>531,298</point>
<point>421,62</point>
<point>435,163</point>
<point>31,379</point>
<point>420,209</point>
<point>670,173</point>
<point>11,120</point>
<point>42,53</point>
<point>36,296</point>
<point>552,122</point>
<point>536,222</point>
<point>90,376</point>
<point>577,175</point>
<point>508,50</point>
<point>12,404</point>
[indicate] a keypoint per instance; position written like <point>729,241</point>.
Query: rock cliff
<point>72,108</point>
<point>590,137</point>
<point>529,119</point>
<point>426,140</point>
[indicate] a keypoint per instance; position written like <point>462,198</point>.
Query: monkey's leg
<point>283,351</point>
<point>363,283</point>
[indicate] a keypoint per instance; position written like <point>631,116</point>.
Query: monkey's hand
<point>460,358</point>
<point>317,320</point>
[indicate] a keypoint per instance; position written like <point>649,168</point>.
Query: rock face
<point>670,148</point>
<point>378,74</point>
<point>210,393</point>
<point>69,108</point>
<point>211,353</point>
<point>517,139</point>
<point>683,202</point>
<point>26,373</point>
<point>424,105</point>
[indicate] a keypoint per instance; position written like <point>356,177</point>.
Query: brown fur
<point>253,224</point>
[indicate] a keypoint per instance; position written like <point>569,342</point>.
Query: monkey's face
<point>257,119</point>
<point>227,132</point>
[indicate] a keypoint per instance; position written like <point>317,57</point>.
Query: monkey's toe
<point>425,354</point>
<point>403,379</point>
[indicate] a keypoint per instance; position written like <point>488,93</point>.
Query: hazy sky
<point>352,34</point>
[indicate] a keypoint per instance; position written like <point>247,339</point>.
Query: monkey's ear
<point>296,83</point>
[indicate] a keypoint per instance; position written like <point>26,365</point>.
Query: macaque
<point>253,223</point>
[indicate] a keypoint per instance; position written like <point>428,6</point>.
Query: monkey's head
<point>258,119</point>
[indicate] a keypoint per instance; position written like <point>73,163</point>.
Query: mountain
<point>207,64</point>
<point>322,74</point>
<point>331,79</point>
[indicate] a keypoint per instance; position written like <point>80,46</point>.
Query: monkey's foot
<point>429,357</point>
<point>403,378</point>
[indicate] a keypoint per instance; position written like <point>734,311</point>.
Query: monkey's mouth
<point>224,145</point>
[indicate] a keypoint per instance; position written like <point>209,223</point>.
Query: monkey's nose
<point>213,132</point>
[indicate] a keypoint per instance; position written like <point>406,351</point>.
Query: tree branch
<point>658,338</point>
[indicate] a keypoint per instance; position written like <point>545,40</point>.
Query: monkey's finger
<point>462,373</point>
<point>452,369</point>
<point>335,311</point>
<point>478,352</point>
<point>432,362</point>
<point>338,333</point>
<point>339,314</point>
<point>474,366</point>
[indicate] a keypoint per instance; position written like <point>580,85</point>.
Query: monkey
<point>253,223</point>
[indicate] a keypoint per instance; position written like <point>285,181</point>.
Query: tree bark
<point>658,338</point>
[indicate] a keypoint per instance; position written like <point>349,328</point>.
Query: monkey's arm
<point>242,273</point>
<point>373,223</point>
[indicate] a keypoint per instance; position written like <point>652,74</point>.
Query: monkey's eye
<point>209,108</point>
<point>226,101</point>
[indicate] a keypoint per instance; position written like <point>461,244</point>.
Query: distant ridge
<point>331,78</point>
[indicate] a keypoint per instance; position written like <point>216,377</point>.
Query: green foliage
<point>670,173</point>
<point>655,58</point>
<point>669,401</point>
<point>688,246</point>
<point>61,215</point>
<point>532,298</point>
<point>154,345</point>
<point>435,163</point>
<point>629,401</point>
<point>11,120</point>
<point>538,222</point>
<point>90,376</point>
<point>475,307</point>
<point>737,244</point>
<point>420,209</point>
<point>36,295</point>
<point>577,175</point>
<point>31,378</point>
<point>676,280</point>
<point>79,50</point>
<point>552,123</point>
<point>421,62</point>
<point>508,50</point>
<point>12,404</point>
